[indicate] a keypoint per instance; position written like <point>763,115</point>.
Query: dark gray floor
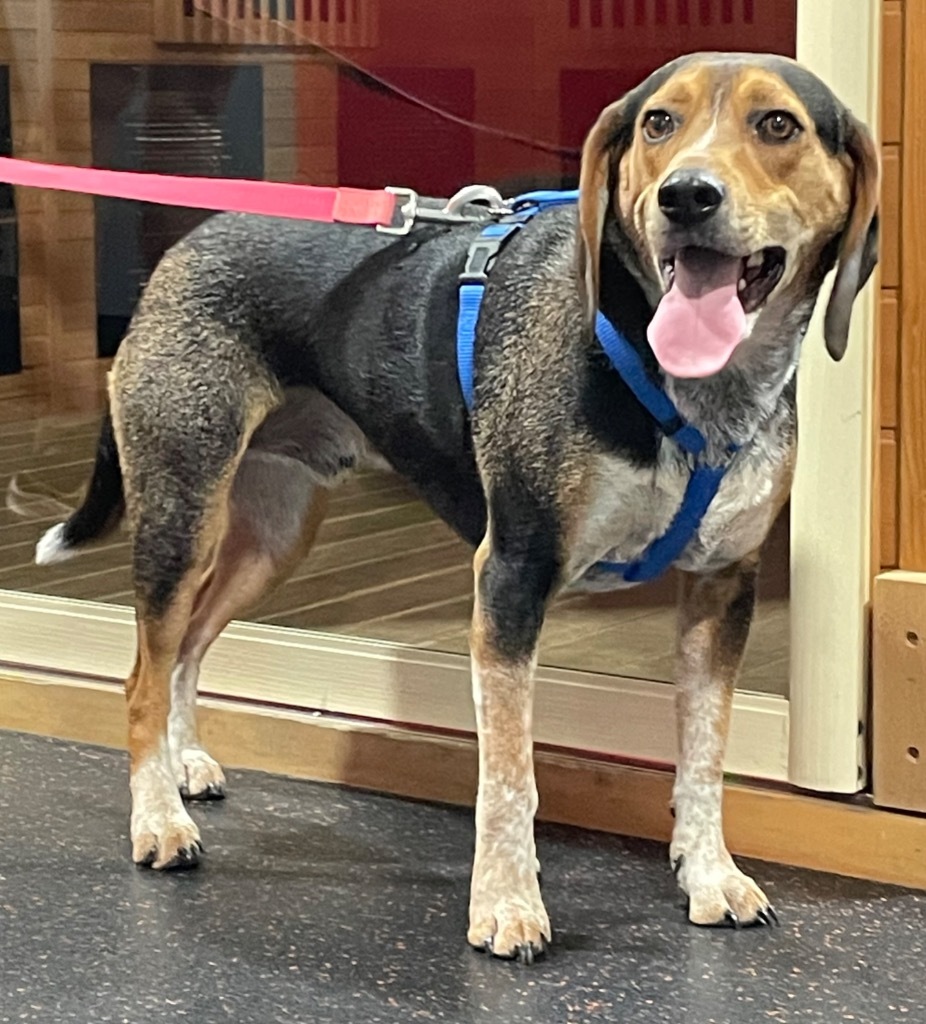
<point>317,905</point>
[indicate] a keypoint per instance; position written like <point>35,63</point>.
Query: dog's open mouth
<point>702,317</point>
<point>757,275</point>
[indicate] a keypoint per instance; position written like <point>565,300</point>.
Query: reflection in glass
<point>357,92</point>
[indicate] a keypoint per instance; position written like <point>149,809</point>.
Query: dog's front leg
<point>506,913</point>
<point>715,612</point>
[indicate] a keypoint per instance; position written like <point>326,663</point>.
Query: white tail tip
<point>53,547</point>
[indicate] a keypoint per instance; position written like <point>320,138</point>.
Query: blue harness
<point>704,480</point>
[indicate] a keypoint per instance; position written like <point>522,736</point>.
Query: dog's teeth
<point>755,260</point>
<point>741,284</point>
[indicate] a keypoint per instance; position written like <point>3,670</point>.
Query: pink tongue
<point>700,321</point>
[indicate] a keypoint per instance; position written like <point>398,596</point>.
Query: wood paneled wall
<point>887,407</point>
<point>901,378</point>
<point>911,466</point>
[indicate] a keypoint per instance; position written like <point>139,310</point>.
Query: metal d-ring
<point>476,194</point>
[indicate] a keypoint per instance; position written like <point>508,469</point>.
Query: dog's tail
<point>98,513</point>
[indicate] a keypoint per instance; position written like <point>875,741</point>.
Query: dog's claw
<point>772,916</point>
<point>148,859</point>
<point>732,919</point>
<point>214,791</point>
<point>186,857</point>
<point>677,865</point>
<point>526,953</point>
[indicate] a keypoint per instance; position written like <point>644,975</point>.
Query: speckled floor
<point>317,904</point>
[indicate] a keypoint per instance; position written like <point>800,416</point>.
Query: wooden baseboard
<point>774,825</point>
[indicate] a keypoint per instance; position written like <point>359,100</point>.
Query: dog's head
<point>733,183</point>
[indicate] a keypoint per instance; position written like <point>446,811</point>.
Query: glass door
<point>207,90</point>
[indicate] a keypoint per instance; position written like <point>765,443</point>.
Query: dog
<point>267,359</point>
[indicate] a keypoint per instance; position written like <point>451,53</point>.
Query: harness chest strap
<point>704,480</point>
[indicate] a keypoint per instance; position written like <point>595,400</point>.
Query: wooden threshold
<point>774,825</point>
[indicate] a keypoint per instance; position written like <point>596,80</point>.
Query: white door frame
<point>831,502</point>
<point>812,741</point>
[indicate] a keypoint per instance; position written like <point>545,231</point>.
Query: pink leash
<point>270,198</point>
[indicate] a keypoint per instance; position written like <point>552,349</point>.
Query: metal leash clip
<point>477,194</point>
<point>451,213</point>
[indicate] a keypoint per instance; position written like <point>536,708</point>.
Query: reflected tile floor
<point>317,904</point>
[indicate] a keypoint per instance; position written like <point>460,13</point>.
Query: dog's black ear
<point>858,246</point>
<point>604,146</point>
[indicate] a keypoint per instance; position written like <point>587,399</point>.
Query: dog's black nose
<point>690,197</point>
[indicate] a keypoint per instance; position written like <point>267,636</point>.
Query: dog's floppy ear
<point>602,151</point>
<point>604,146</point>
<point>858,247</point>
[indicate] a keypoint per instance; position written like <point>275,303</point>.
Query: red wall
<point>542,68</point>
<point>383,141</point>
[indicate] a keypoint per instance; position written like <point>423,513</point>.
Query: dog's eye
<point>658,125</point>
<point>778,126</point>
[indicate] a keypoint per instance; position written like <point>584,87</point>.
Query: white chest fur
<point>630,507</point>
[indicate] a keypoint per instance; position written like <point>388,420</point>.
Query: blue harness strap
<point>467,318</point>
<point>704,480</point>
<point>703,485</point>
<point>473,280</point>
<point>625,359</point>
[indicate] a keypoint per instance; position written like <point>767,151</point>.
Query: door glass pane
<point>354,92</point>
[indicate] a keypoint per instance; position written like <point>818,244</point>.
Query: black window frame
<point>10,322</point>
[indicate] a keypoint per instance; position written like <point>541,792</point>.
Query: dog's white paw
<point>199,776</point>
<point>719,893</point>
<point>163,833</point>
<point>509,921</point>
<point>162,839</point>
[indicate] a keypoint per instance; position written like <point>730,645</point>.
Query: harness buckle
<point>479,259</point>
<point>407,205</point>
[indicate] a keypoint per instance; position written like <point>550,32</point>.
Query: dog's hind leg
<point>715,612</point>
<point>182,428</point>
<point>515,575</point>
<point>275,509</point>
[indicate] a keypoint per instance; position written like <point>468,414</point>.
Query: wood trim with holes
<point>898,678</point>
<point>780,826</point>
